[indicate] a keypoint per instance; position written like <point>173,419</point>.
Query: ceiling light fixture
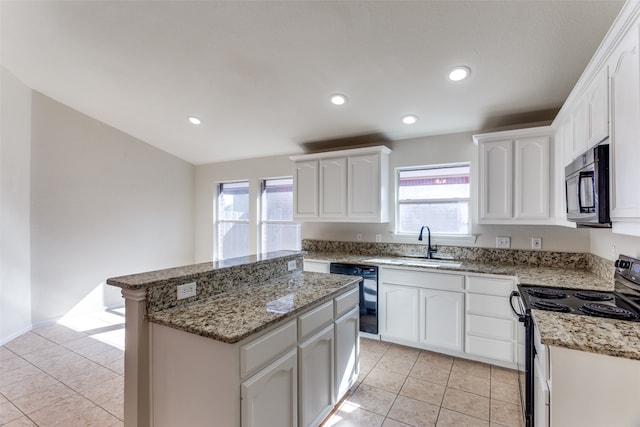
<point>409,119</point>
<point>194,120</point>
<point>338,99</point>
<point>459,73</point>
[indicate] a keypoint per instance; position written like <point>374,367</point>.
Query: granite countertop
<point>527,275</point>
<point>235,315</point>
<point>617,338</point>
<point>611,337</point>
<point>160,277</point>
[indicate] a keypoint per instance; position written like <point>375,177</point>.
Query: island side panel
<point>195,381</point>
<point>136,359</point>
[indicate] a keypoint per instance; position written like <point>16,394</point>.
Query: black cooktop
<point>579,301</point>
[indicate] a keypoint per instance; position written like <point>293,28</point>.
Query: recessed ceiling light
<point>338,99</point>
<point>194,120</point>
<point>409,119</point>
<point>459,73</point>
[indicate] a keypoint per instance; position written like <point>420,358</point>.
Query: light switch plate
<point>378,238</point>
<point>291,265</point>
<point>503,242</point>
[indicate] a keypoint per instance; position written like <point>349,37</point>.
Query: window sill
<point>437,239</point>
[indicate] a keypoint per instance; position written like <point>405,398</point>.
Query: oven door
<point>525,357</point>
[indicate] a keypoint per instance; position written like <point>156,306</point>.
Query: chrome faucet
<point>430,250</point>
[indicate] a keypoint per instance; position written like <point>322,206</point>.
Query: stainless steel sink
<point>418,262</point>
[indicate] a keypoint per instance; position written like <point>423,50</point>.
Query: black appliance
<point>622,304</point>
<point>368,292</point>
<point>587,188</point>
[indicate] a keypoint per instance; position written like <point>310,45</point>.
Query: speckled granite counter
<point>235,315</point>
<point>592,334</point>
<point>585,333</point>
<point>529,275</point>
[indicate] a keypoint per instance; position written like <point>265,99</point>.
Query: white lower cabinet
<point>441,318</point>
<point>347,351</point>
<point>490,327</point>
<point>290,375</point>
<point>399,312</point>
<point>316,376</point>
<point>269,398</point>
<point>450,312</point>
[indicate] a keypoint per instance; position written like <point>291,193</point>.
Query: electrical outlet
<point>378,238</point>
<point>536,243</point>
<point>359,237</point>
<point>291,265</point>
<point>503,242</point>
<point>187,290</point>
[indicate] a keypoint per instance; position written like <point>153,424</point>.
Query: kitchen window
<point>277,229</point>
<point>232,220</point>
<point>437,196</point>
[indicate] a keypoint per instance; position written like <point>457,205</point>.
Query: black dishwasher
<point>368,292</point>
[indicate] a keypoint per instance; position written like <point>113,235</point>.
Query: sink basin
<point>420,262</point>
<point>433,263</point>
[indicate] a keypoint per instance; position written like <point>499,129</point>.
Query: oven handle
<point>520,316</point>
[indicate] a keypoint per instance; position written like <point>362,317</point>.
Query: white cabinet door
<point>347,345</point>
<point>532,178</point>
<point>305,196</point>
<point>625,129</point>
<point>364,186</point>
<point>496,179</point>
<point>441,318</point>
<point>316,371</point>
<point>333,187</point>
<point>399,313</point>
<point>598,98</point>
<point>580,128</point>
<point>270,397</point>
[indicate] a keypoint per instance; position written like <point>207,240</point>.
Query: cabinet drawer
<point>258,353</point>
<point>315,319</point>
<point>422,279</point>
<point>489,305</point>
<point>316,266</point>
<point>346,301</point>
<point>487,347</point>
<point>490,285</point>
<point>490,327</point>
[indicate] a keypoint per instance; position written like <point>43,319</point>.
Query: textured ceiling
<point>259,73</point>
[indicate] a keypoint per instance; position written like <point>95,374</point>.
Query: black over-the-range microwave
<point>587,188</point>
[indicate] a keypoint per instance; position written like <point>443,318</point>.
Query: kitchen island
<point>260,340</point>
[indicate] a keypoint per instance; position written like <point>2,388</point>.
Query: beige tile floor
<point>71,374</point>
<point>65,374</point>
<point>402,386</point>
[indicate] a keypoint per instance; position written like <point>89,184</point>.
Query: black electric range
<point>611,305</point>
<point>623,303</point>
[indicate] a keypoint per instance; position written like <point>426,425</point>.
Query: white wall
<point>411,152</point>
<point>103,204</point>
<point>15,257</point>
<point>609,245</point>
<point>207,176</point>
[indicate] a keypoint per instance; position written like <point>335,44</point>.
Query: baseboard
<point>15,335</point>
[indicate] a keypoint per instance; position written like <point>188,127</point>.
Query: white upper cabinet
<point>342,186</point>
<point>591,116</point>
<point>333,187</point>
<point>514,173</point>
<point>306,190</point>
<point>625,134</point>
<point>598,99</point>
<point>496,179</point>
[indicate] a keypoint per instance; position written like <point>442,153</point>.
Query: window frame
<point>218,217</point>
<point>442,236</point>
<point>262,221</point>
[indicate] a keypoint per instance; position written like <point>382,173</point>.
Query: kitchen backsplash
<point>582,261</point>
